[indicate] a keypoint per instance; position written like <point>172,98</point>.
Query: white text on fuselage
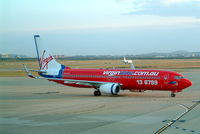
<point>142,73</point>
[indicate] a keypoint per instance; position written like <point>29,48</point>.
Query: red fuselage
<point>137,79</point>
<point>109,81</point>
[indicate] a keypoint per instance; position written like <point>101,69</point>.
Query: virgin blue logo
<point>45,61</point>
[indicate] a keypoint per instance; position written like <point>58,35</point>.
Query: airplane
<point>129,62</point>
<point>107,81</point>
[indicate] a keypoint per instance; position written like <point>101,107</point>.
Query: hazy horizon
<point>141,54</point>
<point>100,27</point>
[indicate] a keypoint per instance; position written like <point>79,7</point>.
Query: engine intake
<point>110,88</point>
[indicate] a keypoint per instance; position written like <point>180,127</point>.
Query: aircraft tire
<point>173,94</point>
<point>97,93</point>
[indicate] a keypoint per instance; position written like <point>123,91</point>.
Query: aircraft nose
<point>188,83</point>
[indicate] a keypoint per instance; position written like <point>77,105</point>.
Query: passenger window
<point>178,77</point>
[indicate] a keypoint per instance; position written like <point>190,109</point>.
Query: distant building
<point>12,56</point>
<point>59,56</point>
<point>5,55</point>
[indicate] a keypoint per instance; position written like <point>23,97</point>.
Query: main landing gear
<point>97,93</point>
<point>173,94</point>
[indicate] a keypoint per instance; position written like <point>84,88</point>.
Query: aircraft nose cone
<point>188,83</point>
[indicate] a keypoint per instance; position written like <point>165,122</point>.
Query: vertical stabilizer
<point>47,62</point>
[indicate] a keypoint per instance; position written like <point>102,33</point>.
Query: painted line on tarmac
<point>186,130</point>
<point>169,124</point>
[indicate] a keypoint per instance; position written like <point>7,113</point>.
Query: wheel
<point>173,94</point>
<point>97,93</point>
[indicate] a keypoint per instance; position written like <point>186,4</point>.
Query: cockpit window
<point>178,77</point>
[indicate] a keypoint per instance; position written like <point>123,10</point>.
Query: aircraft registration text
<point>147,82</point>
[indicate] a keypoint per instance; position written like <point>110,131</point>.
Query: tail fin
<point>124,59</point>
<point>47,62</point>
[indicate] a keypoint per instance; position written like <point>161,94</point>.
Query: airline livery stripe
<point>100,76</point>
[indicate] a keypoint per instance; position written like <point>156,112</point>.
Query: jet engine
<point>110,88</point>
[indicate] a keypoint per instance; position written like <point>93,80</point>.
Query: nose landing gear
<point>173,94</point>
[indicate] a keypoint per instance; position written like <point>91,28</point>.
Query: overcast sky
<point>100,27</point>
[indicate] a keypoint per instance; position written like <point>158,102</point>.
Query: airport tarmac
<point>29,106</point>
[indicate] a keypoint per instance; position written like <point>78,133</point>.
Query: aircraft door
<point>165,80</point>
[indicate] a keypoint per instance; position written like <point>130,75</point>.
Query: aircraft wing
<point>81,82</point>
<point>73,81</point>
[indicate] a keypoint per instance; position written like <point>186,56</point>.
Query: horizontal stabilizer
<point>29,74</point>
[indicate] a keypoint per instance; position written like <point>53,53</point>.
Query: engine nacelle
<point>110,88</point>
